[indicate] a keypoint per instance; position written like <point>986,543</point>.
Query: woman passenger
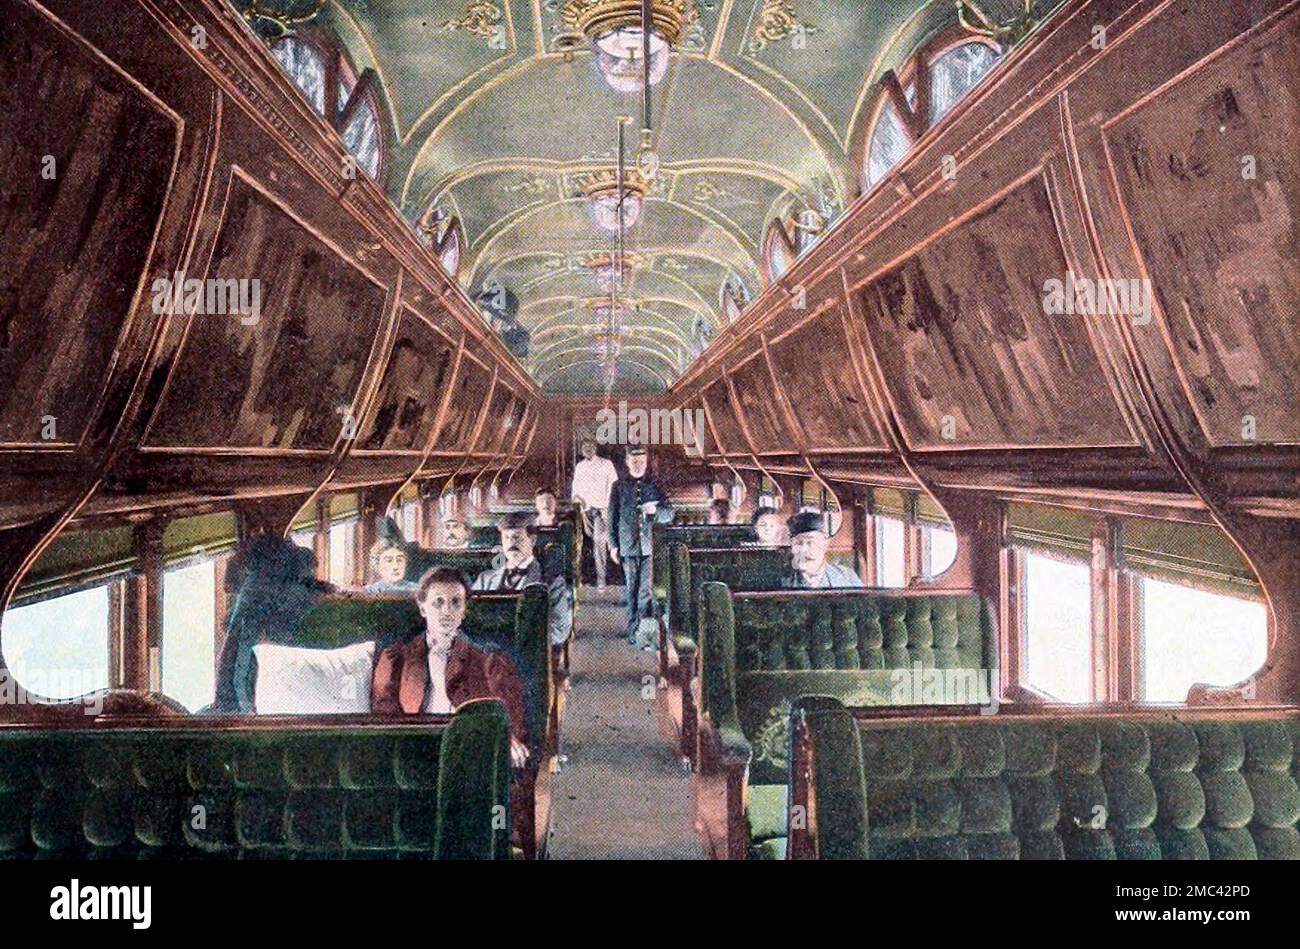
<point>388,562</point>
<point>445,667</point>
<point>767,527</point>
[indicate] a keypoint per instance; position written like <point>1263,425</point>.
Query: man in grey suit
<point>520,568</point>
<point>808,543</point>
<point>635,504</point>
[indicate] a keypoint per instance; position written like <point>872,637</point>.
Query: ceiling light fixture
<point>601,189</point>
<point>615,29</point>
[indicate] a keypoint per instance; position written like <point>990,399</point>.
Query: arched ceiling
<point>486,116</point>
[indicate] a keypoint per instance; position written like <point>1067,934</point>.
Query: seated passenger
<point>767,527</point>
<point>388,562</point>
<point>546,505</point>
<point>808,542</point>
<point>720,511</point>
<point>455,533</point>
<point>520,568</point>
<point>446,667</point>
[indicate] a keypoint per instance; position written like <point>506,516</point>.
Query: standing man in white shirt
<point>593,480</point>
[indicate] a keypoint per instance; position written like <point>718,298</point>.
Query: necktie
<point>513,576</point>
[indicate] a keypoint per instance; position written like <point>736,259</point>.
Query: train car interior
<point>717,430</point>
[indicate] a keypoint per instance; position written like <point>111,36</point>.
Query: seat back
<point>560,549</point>
<point>238,787</point>
<point>762,651</point>
<point>1162,785</point>
<point>692,535</point>
<point>740,568</point>
<point>517,619</point>
<point>471,563</point>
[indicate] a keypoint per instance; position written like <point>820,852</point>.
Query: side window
<point>940,549</point>
<point>1191,636</point>
<point>189,633</point>
<point>58,648</point>
<point>1057,623</point>
<point>343,545</point>
<point>305,63</point>
<point>411,520</point>
<point>891,562</point>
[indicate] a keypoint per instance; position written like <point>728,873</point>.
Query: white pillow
<point>295,680</point>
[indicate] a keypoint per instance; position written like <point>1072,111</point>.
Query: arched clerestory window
<point>952,67</point>
<point>308,63</point>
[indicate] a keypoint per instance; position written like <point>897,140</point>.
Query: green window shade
<point>79,558</point>
<point>345,506</point>
<point>928,511</point>
<point>1051,529</point>
<point>890,502</point>
<point>1199,554</point>
<point>810,493</point>
<point>204,535</point>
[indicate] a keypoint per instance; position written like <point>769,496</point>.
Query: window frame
<point>892,84</point>
<point>1116,628</point>
<point>338,68</point>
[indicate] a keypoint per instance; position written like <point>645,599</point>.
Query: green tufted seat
<point>740,568</point>
<point>437,787</point>
<point>519,619</point>
<point>692,535</point>
<point>1192,784</point>
<point>760,652</point>
<point>470,562</point>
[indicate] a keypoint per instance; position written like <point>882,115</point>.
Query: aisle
<point>623,793</point>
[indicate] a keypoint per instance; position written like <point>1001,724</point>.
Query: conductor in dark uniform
<point>636,503</point>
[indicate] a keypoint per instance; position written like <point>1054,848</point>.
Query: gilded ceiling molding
<point>664,260</point>
<point>481,18</point>
<point>776,20</point>
<point>557,275</point>
<point>748,257</point>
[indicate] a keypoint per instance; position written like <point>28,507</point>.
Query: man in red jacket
<point>443,669</point>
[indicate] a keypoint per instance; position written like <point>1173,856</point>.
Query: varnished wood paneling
<point>472,388</point>
<point>279,383</point>
<point>961,333</point>
<point>72,246</point>
<point>1211,193</point>
<point>814,367</point>
<point>418,369</point>
<point>723,416</point>
<point>753,387</point>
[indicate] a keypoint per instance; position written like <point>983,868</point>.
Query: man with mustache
<point>455,536</point>
<point>519,568</point>
<point>808,543</point>
<point>636,503</point>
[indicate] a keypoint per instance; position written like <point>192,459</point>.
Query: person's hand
<point>518,752</point>
<point>613,555</point>
<point>649,508</point>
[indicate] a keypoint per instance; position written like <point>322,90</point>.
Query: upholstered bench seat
<point>761,652</point>
<point>266,788</point>
<point>1193,784</point>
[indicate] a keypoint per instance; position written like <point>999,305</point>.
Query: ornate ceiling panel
<point>497,112</point>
